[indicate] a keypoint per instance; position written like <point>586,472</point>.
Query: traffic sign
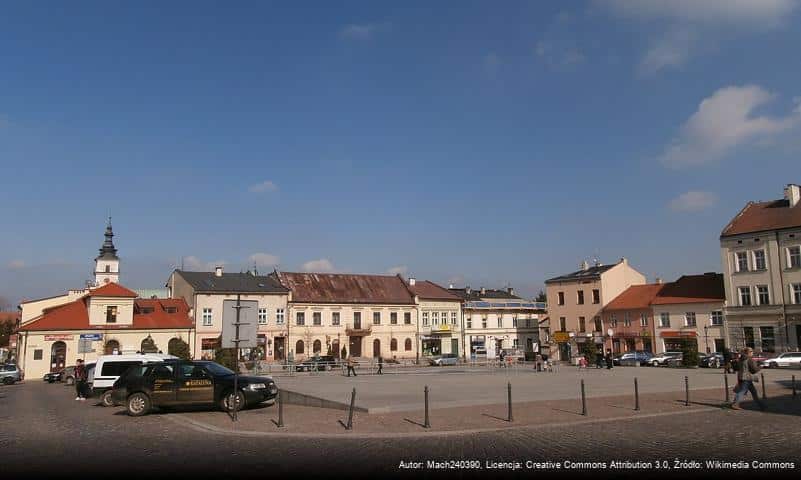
<point>95,337</point>
<point>248,323</point>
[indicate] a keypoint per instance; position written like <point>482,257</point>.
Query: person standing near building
<point>746,376</point>
<point>351,364</point>
<point>609,359</point>
<point>80,380</point>
<point>599,359</point>
<point>727,359</point>
<point>380,365</point>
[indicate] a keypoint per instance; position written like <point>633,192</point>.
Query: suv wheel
<point>226,399</point>
<point>8,381</point>
<point>774,365</point>
<point>106,399</point>
<point>654,363</point>
<point>138,405</point>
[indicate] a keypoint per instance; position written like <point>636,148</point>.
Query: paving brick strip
<point>321,422</point>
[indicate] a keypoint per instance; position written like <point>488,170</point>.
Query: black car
<point>184,382</point>
<point>52,377</point>
<point>322,362</point>
<point>711,360</point>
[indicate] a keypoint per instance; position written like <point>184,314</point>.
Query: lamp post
<point>706,337</point>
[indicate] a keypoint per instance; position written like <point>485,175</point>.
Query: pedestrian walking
<point>746,377</point>
<point>380,365</point>
<point>80,380</point>
<point>609,362</point>
<point>727,359</point>
<point>501,356</point>
<point>599,359</point>
<point>351,364</point>
<point>538,362</point>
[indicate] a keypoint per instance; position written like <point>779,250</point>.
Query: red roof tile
<point>75,316</point>
<point>432,291</point>
<point>704,288</point>
<point>112,290</point>
<point>346,288</point>
<point>763,216</point>
<point>635,297</point>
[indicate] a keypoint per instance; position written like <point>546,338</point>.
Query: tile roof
<point>763,216</point>
<point>591,273</point>
<point>75,316</point>
<point>431,291</point>
<point>112,290</point>
<point>346,288</point>
<point>693,289</point>
<point>232,282</point>
<point>635,297</point>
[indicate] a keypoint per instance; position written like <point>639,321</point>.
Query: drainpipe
<point>464,351</point>
<point>784,303</point>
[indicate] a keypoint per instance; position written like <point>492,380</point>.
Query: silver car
<point>10,373</point>
<point>445,359</point>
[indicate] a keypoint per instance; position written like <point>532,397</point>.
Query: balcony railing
<point>361,331</point>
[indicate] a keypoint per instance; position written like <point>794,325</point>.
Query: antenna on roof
<point>255,272</point>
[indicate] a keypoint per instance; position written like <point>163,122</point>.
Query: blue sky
<point>460,142</point>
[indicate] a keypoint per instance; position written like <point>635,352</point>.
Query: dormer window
<point>111,314</point>
<point>171,309</point>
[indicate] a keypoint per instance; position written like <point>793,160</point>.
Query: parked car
<point>711,360</point>
<point>661,359</point>
<point>319,363</point>
<point>183,382</point>
<point>10,373</point>
<point>52,377</point>
<point>787,359</point>
<point>108,369</point>
<point>760,357</point>
<point>630,358</point>
<point>444,359</point>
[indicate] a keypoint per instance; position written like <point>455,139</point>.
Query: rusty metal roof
<point>432,291</point>
<point>346,288</point>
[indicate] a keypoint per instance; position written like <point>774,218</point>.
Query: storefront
<point>208,346</point>
<point>678,341</point>
<point>432,346</point>
<point>478,345</point>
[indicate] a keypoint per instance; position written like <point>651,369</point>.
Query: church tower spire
<point>107,264</point>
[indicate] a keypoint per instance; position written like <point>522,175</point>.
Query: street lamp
<point>706,337</point>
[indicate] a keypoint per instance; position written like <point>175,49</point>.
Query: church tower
<point>107,264</point>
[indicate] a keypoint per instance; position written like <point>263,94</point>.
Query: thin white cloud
<point>364,31</point>
<point>693,201</point>
<point>400,269</point>
<point>724,121</point>
<point>195,264</point>
<point>265,186</point>
<point>16,264</point>
<point>322,265</point>
<point>670,51</point>
<point>263,260</point>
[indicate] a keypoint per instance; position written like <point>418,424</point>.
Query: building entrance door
<point>279,348</point>
<point>355,346</point>
<point>58,353</point>
<point>455,346</point>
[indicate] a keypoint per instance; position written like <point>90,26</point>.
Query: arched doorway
<point>149,345</point>
<point>317,346</point>
<point>58,355</point>
<point>112,347</point>
<point>393,345</point>
<point>299,347</point>
<point>376,348</point>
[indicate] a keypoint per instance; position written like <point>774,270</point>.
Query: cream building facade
<point>440,319</point>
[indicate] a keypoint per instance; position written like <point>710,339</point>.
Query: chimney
<point>585,266</point>
<point>624,261</point>
<point>792,193</point>
<point>412,281</point>
<point>510,290</point>
<point>218,271</point>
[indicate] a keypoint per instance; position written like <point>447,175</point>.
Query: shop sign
<point>53,338</point>
<point>95,337</point>
<point>560,337</point>
<point>209,343</point>
<point>678,334</point>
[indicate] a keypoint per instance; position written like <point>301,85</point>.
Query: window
<point>376,318</point>
<point>514,322</point>
<point>562,324</point>
<point>469,322</point>
<point>483,322</point>
<point>515,343</point>
<point>393,318</point>
<point>748,337</point>
<point>689,319</point>
<point>717,317</point>
<point>745,296</point>
<point>37,354</point>
<point>596,296</point>
<point>317,318</point>
<point>262,316</point>
<point>393,345</point>
<point>580,299</point>
<point>108,268</point>
<point>111,314</point>
<point>279,316</point>
<point>115,369</point>
<point>796,293</point>
<point>742,261</point>
<point>300,319</point>
<point>425,319</point>
<point>357,320</point>
<point>453,318</point>
<point>664,320</point>
<point>768,339</point>
<point>299,347</point>
<point>317,347</point>
<point>434,318</point>
<point>408,345</point>
<point>763,296</point>
<point>407,318</point>
<point>500,321</point>
<point>528,323</point>
<point>643,319</point>
<point>598,325</point>
<point>759,260</point>
<point>335,319</point>
<point>582,325</point>
<point>171,309</point>
<point>626,319</point>
<point>561,300</point>
<point>206,317</point>
<point>794,257</point>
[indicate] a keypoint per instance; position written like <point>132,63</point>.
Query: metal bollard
<point>280,408</point>
<point>426,422</point>
<point>509,395</point>
<point>794,393</point>
<point>762,378</point>
<point>726,386</point>
<point>350,411</point>
<point>686,391</point>
<point>583,399</point>
<point>636,395</point>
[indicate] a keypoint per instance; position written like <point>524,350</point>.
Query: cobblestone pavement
<point>44,431</point>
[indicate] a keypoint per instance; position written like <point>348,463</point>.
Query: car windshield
<point>217,369</point>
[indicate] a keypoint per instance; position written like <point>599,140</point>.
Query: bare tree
<point>5,304</point>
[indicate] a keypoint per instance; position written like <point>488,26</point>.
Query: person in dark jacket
<point>609,362</point>
<point>80,380</point>
<point>727,359</point>
<point>380,366</point>
<point>746,376</point>
<point>599,359</point>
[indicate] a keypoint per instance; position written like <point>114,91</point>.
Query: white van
<point>109,368</point>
